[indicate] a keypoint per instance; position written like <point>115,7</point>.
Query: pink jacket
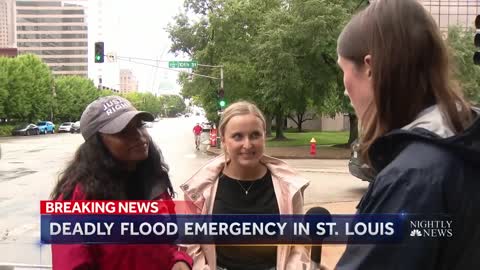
<point>201,188</point>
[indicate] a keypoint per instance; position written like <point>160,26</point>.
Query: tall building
<point>453,12</point>
<point>128,81</point>
<point>56,31</point>
<point>7,24</point>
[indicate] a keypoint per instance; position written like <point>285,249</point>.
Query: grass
<point>303,139</point>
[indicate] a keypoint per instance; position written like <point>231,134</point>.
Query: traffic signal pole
<point>221,73</point>
<point>222,102</point>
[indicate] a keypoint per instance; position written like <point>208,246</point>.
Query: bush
<point>6,130</point>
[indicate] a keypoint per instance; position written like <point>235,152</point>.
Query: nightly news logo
<point>431,228</point>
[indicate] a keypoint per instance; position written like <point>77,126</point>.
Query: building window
<point>69,68</point>
<point>51,36</point>
<point>52,28</point>
<point>65,60</point>
<point>37,4</point>
<point>52,44</point>
<point>48,20</point>
<point>56,52</point>
<point>49,12</point>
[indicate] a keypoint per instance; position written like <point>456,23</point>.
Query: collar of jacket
<point>207,176</point>
<point>466,144</point>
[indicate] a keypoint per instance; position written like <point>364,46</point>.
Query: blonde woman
<point>246,181</point>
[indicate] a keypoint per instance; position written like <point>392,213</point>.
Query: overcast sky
<point>134,28</point>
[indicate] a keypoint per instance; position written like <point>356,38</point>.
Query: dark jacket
<point>424,171</point>
<point>117,257</point>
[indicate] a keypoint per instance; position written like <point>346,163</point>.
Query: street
<point>30,165</point>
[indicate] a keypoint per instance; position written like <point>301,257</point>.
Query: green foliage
<point>4,71</point>
<point>25,88</point>
<point>29,92</point>
<point>467,73</point>
<point>303,139</point>
<point>165,105</point>
<point>73,94</point>
<point>174,104</point>
<point>6,130</point>
<point>279,54</point>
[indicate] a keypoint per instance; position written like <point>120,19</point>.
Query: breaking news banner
<point>151,222</point>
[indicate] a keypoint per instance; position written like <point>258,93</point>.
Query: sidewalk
<point>298,152</point>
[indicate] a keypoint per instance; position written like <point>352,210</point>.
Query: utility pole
<point>54,94</point>
<point>221,77</point>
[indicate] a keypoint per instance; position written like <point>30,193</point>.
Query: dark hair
<point>410,67</point>
<point>101,177</point>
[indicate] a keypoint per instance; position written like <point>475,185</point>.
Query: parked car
<point>357,167</point>
<point>75,127</point>
<point>25,130</point>
<point>65,127</point>
<point>148,124</point>
<point>206,126</point>
<point>46,127</point>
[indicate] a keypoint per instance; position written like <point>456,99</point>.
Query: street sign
<point>111,57</point>
<point>182,64</point>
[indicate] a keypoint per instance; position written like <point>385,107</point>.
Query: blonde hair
<point>240,108</point>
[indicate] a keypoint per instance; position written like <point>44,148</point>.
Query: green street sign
<point>182,64</point>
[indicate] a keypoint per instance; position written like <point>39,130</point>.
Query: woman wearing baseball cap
<point>117,161</point>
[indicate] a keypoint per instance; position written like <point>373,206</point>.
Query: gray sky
<point>134,28</point>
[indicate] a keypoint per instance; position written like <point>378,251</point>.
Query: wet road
<point>30,166</point>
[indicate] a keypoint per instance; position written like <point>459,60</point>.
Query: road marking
<point>13,234</point>
<point>341,171</point>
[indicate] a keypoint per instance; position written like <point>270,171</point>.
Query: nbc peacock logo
<point>415,233</point>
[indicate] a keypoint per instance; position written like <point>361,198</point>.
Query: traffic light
<point>476,55</point>
<point>99,52</point>
<point>221,98</point>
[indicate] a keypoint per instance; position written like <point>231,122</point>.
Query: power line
<point>128,59</point>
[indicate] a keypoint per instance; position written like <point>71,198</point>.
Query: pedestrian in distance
<point>197,131</point>
<point>117,161</point>
<point>245,181</point>
<point>419,133</point>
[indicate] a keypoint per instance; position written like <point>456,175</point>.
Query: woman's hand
<point>181,266</point>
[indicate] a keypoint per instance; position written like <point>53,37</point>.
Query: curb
<point>281,156</point>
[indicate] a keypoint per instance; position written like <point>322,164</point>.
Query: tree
<point>136,98</point>
<point>467,73</point>
<point>226,39</point>
<point>296,60</point>
<point>4,72</point>
<point>174,104</point>
<point>151,104</point>
<point>73,94</point>
<point>29,89</point>
<point>302,114</point>
<point>15,105</point>
<point>279,54</point>
<point>39,86</point>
